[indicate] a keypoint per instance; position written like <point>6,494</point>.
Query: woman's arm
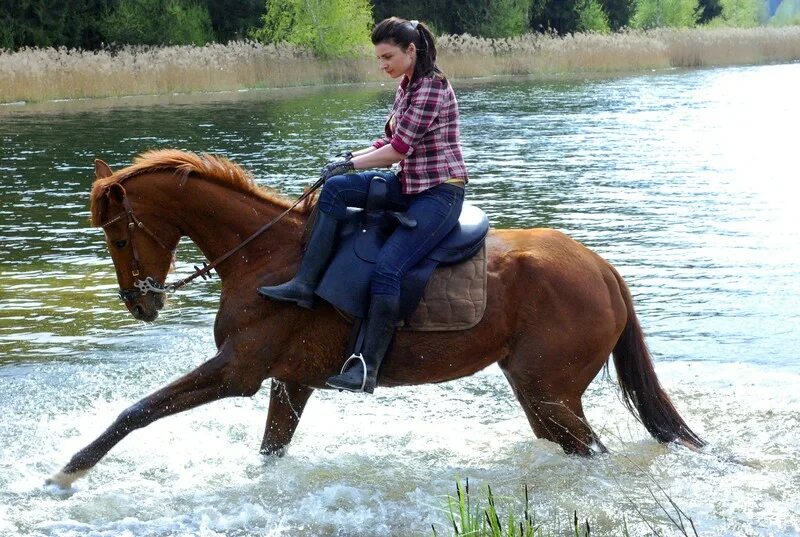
<point>382,157</point>
<point>364,151</point>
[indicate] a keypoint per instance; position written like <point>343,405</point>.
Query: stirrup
<point>359,357</point>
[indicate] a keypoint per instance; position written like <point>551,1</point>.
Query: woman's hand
<point>336,167</point>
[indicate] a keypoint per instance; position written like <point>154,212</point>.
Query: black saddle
<point>346,281</point>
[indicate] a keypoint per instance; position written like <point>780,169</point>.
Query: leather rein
<point>150,285</point>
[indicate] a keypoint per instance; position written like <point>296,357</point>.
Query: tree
<point>560,16</point>
<point>709,9</point>
<point>158,22</point>
<point>46,23</point>
<point>490,18</point>
<point>232,20</point>
<point>437,14</point>
<point>591,17</point>
<point>331,28</point>
<point>665,13</point>
<point>787,13</point>
<point>741,13</point>
<point>619,12</point>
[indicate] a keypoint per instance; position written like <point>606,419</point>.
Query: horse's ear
<point>102,170</point>
<point>116,193</point>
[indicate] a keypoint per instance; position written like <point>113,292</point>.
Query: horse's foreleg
<point>215,379</point>
<point>286,403</point>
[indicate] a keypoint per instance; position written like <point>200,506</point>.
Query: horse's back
<point>559,278</point>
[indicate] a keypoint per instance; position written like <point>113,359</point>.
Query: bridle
<point>149,284</point>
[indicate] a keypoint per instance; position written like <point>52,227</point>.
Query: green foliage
<point>158,22</point>
<point>45,23</point>
<point>665,13</point>
<point>6,37</point>
<point>788,13</point>
<point>619,12</point>
<point>740,13</point>
<point>709,9</point>
<point>591,17</point>
<point>491,18</point>
<point>476,521</point>
<point>437,14</point>
<point>560,16</point>
<point>471,520</point>
<point>233,19</point>
<point>331,28</point>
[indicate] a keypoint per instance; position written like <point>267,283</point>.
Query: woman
<point>422,135</point>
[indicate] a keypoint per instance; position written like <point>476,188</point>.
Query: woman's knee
<point>386,279</point>
<point>331,200</point>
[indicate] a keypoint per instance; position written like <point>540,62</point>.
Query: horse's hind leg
<point>286,403</point>
<point>215,379</point>
<point>557,417</point>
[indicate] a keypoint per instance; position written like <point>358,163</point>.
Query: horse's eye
<point>120,244</point>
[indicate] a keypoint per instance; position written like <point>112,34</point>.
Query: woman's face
<point>395,61</point>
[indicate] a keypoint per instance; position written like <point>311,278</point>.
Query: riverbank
<point>35,75</point>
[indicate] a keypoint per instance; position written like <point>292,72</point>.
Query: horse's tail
<point>644,396</point>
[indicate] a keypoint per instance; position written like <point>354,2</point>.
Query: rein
<point>149,285</point>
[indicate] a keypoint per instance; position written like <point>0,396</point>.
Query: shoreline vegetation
<point>45,74</point>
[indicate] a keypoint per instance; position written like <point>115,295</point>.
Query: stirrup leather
<point>357,356</point>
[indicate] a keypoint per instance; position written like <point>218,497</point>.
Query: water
<point>686,181</point>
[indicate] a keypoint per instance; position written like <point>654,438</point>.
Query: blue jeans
<point>436,211</point>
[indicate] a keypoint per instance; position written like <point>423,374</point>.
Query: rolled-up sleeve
<point>424,106</point>
<point>380,142</point>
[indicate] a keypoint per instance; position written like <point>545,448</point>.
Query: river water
<point>686,181</point>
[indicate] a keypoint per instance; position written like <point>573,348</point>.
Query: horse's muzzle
<point>145,308</point>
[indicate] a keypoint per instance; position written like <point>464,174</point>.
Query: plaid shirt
<point>423,125</point>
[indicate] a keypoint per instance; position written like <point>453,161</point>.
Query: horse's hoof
<point>64,480</point>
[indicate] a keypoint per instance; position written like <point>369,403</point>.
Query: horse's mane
<point>211,167</point>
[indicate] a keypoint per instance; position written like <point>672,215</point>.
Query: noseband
<point>149,284</point>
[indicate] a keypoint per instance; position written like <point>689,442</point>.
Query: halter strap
<point>133,224</point>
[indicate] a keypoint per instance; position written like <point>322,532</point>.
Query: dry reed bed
<point>44,74</point>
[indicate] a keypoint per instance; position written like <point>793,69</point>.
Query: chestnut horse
<point>555,312</point>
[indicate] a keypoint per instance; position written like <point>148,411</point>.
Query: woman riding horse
<point>422,135</point>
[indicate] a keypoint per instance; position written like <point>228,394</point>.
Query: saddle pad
<point>454,298</point>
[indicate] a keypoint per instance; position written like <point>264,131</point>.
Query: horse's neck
<point>217,219</point>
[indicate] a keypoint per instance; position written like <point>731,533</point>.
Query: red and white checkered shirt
<point>423,125</point>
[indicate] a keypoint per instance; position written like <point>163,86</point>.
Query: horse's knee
<point>240,383</point>
<point>135,417</point>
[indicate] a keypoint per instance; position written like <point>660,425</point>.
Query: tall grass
<point>467,517</point>
<point>45,74</point>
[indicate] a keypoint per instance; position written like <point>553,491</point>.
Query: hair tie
<point>414,24</point>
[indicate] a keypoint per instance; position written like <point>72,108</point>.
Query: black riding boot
<point>300,289</point>
<point>383,312</point>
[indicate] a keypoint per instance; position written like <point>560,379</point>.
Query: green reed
<point>467,517</point>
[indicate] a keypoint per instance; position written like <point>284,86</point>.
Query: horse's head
<point>141,242</point>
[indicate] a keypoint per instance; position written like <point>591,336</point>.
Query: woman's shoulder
<point>434,80</point>
<point>431,85</point>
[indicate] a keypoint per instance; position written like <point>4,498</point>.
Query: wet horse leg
<point>555,417</point>
<point>215,379</point>
<point>286,403</point>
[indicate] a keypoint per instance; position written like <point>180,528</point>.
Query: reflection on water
<point>686,181</point>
